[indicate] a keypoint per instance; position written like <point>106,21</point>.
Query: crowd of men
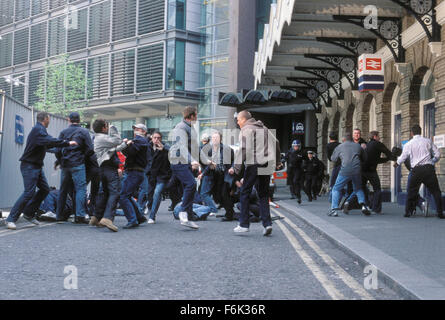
<point>355,164</point>
<point>150,169</point>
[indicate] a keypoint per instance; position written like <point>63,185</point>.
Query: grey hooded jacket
<point>105,145</point>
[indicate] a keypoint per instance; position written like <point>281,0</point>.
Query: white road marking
<point>311,264</point>
<point>8,232</point>
<point>344,276</point>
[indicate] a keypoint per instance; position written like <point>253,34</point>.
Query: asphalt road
<point>167,261</point>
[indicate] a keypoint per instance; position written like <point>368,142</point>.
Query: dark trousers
<point>30,200</point>
<point>251,178</point>
<point>426,175</point>
<point>222,189</point>
<point>93,176</point>
<point>130,185</point>
<point>373,178</point>
<point>183,173</point>
<point>174,189</point>
<point>311,185</point>
<point>106,206</point>
<point>296,182</point>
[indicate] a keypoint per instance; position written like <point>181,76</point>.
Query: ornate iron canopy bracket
<point>346,64</point>
<point>389,29</point>
<point>307,93</point>
<point>355,46</point>
<point>425,13</point>
<point>330,75</point>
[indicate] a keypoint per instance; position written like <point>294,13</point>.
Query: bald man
<point>259,153</point>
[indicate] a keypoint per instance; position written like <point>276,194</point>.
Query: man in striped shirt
<point>423,154</point>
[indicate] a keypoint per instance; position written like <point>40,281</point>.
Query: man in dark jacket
<point>374,149</point>
<point>311,167</point>
<point>31,167</point>
<point>72,162</point>
<point>294,158</point>
<point>135,163</point>
<point>158,174</point>
<point>333,143</point>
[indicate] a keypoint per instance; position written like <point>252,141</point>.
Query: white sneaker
<point>183,216</point>
<point>11,225</point>
<point>240,229</point>
<point>146,211</point>
<point>267,231</point>
<point>190,224</point>
<point>31,220</point>
<point>151,221</point>
<point>212,214</point>
<point>49,214</point>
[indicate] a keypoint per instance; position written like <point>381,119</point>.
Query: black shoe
<point>61,220</point>
<point>299,201</point>
<point>142,220</point>
<point>365,209</point>
<point>171,208</point>
<point>131,225</point>
<point>224,219</point>
<point>407,214</point>
<point>333,213</point>
<point>346,207</point>
<point>81,220</point>
<point>309,200</point>
<point>314,198</point>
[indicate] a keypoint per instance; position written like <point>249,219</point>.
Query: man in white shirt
<point>423,154</point>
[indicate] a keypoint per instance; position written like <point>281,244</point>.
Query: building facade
<point>140,57</point>
<point>312,49</point>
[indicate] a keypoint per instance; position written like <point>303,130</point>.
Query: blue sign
<point>19,130</point>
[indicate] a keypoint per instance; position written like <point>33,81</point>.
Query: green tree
<point>62,89</point>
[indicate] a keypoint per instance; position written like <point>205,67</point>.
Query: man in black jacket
<point>374,149</point>
<point>31,167</point>
<point>135,163</point>
<point>333,143</point>
<point>72,161</point>
<point>158,173</point>
<point>311,168</point>
<point>294,158</point>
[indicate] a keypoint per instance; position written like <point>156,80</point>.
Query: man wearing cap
<point>72,161</point>
<point>311,167</point>
<point>37,144</point>
<point>135,163</point>
<point>294,158</point>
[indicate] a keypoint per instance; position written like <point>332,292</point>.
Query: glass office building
<point>140,57</point>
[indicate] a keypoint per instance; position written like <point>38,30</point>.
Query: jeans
<point>207,183</point>
<point>29,201</point>
<point>158,187</point>
<point>106,208</point>
<point>143,194</point>
<point>334,176</point>
<point>183,172</point>
<point>131,183</point>
<point>340,184</point>
<point>73,176</point>
<point>251,178</point>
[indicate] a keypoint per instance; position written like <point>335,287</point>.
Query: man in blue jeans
<point>72,162</point>
<point>135,163</point>
<point>31,167</point>
<point>184,157</point>
<point>351,155</point>
<point>158,174</point>
<point>260,155</point>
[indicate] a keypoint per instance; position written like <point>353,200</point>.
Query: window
<point>150,66</point>
<point>18,92</point>
<point>7,12</point>
<point>99,24</point>
<point>22,9</point>
<point>124,17</point>
<point>56,3</point>
<point>21,41</point>
<point>98,77</point>
<point>122,73</point>
<point>39,6</point>
<point>34,80</point>
<point>38,41</point>
<point>176,14</point>
<point>125,128</point>
<point>151,16</point>
<point>77,30</point>
<point>56,36</point>
<point>6,50</point>
<point>5,86</point>
<point>175,65</point>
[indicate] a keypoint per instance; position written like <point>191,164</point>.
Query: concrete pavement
<point>408,252</point>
